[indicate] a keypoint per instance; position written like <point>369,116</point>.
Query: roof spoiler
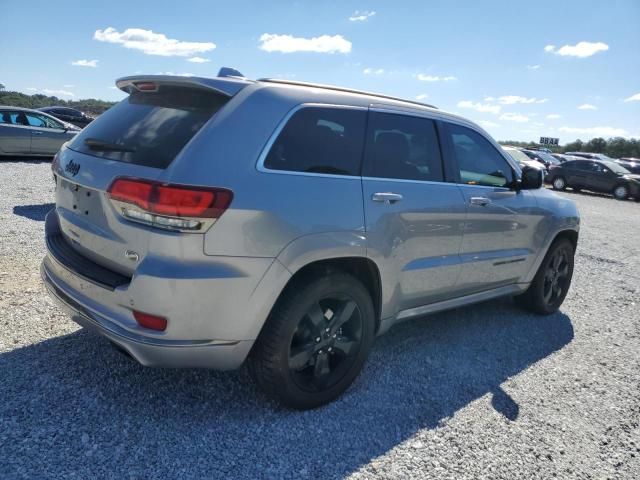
<point>225,84</point>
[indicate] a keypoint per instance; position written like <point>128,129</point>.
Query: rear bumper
<point>215,307</point>
<point>152,352</point>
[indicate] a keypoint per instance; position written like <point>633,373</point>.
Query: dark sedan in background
<point>69,115</point>
<point>31,132</point>
<point>595,175</point>
<point>544,158</point>
<point>630,163</point>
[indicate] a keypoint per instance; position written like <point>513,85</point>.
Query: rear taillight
<point>175,207</point>
<point>152,322</point>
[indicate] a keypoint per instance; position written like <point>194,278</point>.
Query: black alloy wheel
<point>325,343</point>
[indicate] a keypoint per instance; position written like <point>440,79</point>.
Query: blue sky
<point>567,69</point>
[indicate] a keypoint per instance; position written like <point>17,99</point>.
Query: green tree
<point>596,145</point>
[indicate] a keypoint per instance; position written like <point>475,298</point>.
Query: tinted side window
<point>36,120</point>
<point>5,117</point>
<point>583,165</point>
<point>320,140</point>
<point>402,146</point>
<point>479,162</point>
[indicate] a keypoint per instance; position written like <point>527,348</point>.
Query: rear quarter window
<point>149,128</point>
<point>320,140</point>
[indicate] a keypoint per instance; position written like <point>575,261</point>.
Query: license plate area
<point>79,200</point>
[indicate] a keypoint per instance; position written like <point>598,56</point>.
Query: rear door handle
<point>35,132</point>
<point>481,201</point>
<point>386,197</point>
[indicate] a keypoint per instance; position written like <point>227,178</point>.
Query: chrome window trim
<point>276,133</point>
<point>407,180</point>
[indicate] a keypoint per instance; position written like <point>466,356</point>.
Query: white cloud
<point>152,43</point>
<point>53,92</point>
<point>580,49</point>
<point>434,78</point>
<point>112,87</point>
<point>198,60</point>
<point>479,107</point>
<point>361,16</point>
<point>513,99</point>
<point>514,117</point>
<point>489,99</point>
<point>373,71</point>
<point>596,131</point>
<point>553,116</point>
<point>422,96</point>
<point>290,44</point>
<point>633,98</point>
<point>85,63</point>
<point>587,106</point>
<point>533,67</point>
<point>488,124</point>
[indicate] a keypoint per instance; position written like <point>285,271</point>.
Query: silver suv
<point>208,222</point>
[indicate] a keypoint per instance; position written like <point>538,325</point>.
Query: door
<point>47,134</point>
<point>413,217</point>
<point>497,244</point>
<point>601,179</point>
<point>578,174</point>
<point>15,137</point>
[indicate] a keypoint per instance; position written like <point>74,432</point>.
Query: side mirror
<point>532,178</point>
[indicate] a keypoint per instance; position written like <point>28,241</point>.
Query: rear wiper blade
<point>101,145</point>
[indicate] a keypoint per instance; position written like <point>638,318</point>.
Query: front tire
<point>559,183</point>
<point>552,281</point>
<point>315,341</point>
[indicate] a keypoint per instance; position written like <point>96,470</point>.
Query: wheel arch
<point>362,268</point>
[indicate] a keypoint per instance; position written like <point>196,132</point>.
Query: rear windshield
<point>149,128</point>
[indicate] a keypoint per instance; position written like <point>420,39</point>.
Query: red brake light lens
<point>131,191</point>
<point>171,200</point>
<point>146,86</point>
<point>152,322</point>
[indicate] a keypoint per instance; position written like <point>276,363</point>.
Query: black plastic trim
<point>69,258</point>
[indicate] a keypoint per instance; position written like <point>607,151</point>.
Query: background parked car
<point>590,155</point>
<point>543,157</point>
<point>31,132</point>
<point>630,163</point>
<point>597,176</point>
<point>69,115</point>
<point>522,158</point>
<point>563,157</point>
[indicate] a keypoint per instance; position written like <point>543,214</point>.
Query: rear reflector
<point>152,322</point>
<point>171,200</point>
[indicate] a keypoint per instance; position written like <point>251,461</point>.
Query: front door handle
<point>34,132</point>
<point>386,197</point>
<point>481,201</point>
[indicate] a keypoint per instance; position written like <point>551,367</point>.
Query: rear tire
<point>559,183</point>
<point>552,281</point>
<point>621,192</point>
<point>315,341</point>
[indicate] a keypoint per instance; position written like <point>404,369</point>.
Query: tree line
<point>91,106</point>
<point>616,147</point>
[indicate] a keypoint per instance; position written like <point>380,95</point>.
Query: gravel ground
<point>485,391</point>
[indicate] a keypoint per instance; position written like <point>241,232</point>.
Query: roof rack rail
<point>343,89</point>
